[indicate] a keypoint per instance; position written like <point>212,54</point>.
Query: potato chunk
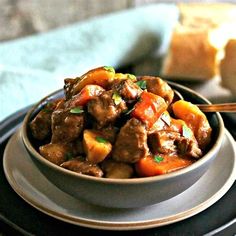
<point>117,170</point>
<point>96,147</point>
<point>195,119</point>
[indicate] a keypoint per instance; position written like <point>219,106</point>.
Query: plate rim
<point>131,225</point>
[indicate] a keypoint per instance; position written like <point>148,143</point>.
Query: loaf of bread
<point>191,55</point>
<point>228,66</point>
<point>208,15</point>
<point>198,40</point>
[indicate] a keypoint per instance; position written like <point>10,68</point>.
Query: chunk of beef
<point>69,87</point>
<point>41,125</point>
<point>171,142</point>
<point>163,142</point>
<point>109,133</point>
<point>203,133</point>
<point>83,167</point>
<point>159,87</point>
<point>188,147</point>
<point>127,89</point>
<point>131,142</point>
<point>104,110</point>
<point>66,126</point>
<point>55,152</point>
<point>117,170</point>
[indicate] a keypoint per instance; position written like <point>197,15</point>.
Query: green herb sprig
<point>109,68</point>
<point>131,77</point>
<point>158,158</point>
<point>101,139</point>
<point>142,84</point>
<point>186,131</point>
<point>116,98</point>
<point>77,110</point>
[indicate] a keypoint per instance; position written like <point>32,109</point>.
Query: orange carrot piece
<point>148,166</point>
<point>99,76</point>
<point>195,119</point>
<point>86,94</point>
<point>149,108</point>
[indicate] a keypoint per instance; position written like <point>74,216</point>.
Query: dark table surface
<point>19,218</point>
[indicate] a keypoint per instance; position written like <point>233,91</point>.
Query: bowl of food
<point>117,140</point>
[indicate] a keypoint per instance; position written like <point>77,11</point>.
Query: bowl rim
<point>214,149</point>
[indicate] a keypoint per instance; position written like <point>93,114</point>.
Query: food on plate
<point>116,125</point>
<point>198,40</point>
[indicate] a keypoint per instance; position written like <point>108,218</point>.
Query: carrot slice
<point>159,165</point>
<point>86,94</point>
<point>149,108</point>
<point>99,76</point>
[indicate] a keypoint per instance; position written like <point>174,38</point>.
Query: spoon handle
<point>225,107</point>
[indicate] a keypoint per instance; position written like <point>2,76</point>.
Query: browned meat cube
<point>68,87</point>
<point>55,153</point>
<point>66,127</point>
<point>83,167</point>
<point>105,109</point>
<point>170,142</point>
<point>189,147</point>
<point>159,87</point>
<point>131,142</point>
<point>108,133</point>
<point>127,89</point>
<point>41,125</point>
<point>117,170</point>
<point>163,142</point>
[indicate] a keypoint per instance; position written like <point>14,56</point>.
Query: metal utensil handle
<point>224,107</point>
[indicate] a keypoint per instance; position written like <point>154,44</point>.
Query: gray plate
<point>34,188</point>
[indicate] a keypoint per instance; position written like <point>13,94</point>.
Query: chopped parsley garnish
<point>158,159</point>
<point>101,139</point>
<point>166,118</point>
<point>68,156</point>
<point>116,98</point>
<point>109,68</point>
<point>186,131</point>
<point>76,110</point>
<point>132,77</point>
<point>142,84</point>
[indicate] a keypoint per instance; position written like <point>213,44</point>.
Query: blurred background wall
<point>19,18</point>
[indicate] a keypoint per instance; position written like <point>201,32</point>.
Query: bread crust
<point>198,40</point>
<point>191,55</point>
<point>228,66</point>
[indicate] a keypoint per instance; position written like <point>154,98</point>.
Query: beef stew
<point>116,125</point>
